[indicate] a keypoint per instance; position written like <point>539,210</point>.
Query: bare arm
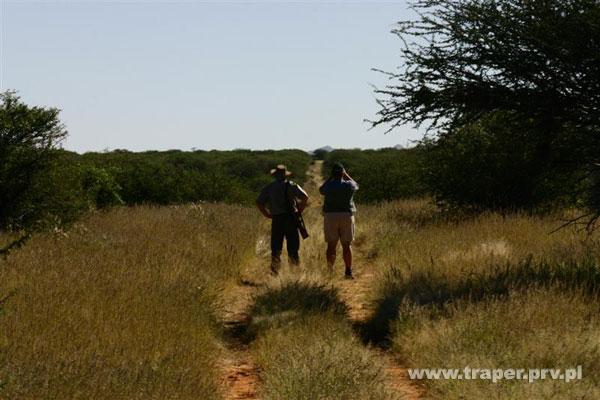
<point>347,177</point>
<point>263,210</point>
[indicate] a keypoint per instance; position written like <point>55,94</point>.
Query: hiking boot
<point>348,273</point>
<point>294,261</point>
<point>275,265</point>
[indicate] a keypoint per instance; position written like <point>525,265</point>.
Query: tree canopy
<point>536,63</point>
<point>465,58</point>
<point>27,137</point>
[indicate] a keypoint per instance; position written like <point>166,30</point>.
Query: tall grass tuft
<point>318,357</point>
<point>305,346</point>
<point>291,297</point>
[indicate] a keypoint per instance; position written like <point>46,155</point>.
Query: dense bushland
<point>42,185</point>
<point>171,177</point>
<point>70,184</point>
<point>385,174</point>
<point>509,91</point>
<point>493,164</point>
<point>499,163</point>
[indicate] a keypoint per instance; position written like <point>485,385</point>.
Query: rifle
<point>298,219</point>
<point>300,224</point>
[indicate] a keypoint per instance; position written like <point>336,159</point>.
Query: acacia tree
<point>27,137</point>
<point>535,61</point>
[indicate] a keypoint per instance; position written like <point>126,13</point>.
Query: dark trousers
<point>284,226</point>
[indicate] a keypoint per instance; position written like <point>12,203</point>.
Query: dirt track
<point>241,376</point>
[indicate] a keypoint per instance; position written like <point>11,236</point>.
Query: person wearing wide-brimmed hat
<point>274,203</point>
<point>338,211</point>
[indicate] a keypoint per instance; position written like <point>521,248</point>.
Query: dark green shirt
<point>274,196</point>
<point>339,195</point>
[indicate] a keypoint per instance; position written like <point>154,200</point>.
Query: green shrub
<point>498,164</point>
<point>385,174</point>
<point>172,177</point>
<point>28,136</point>
<point>65,189</point>
<point>101,188</point>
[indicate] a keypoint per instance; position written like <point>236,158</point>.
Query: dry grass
<point>538,328</point>
<point>305,346</point>
<point>318,357</point>
<point>301,336</point>
<point>413,234</point>
<point>489,291</point>
<point>121,306</point>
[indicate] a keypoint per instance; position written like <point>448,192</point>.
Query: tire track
<point>355,293</point>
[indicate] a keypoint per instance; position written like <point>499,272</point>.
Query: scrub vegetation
<point>128,303</point>
<point>44,187</point>
<point>145,275</point>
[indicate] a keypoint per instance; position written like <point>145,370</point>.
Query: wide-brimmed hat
<point>281,169</point>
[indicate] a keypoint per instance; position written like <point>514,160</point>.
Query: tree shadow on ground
<point>15,244</point>
<point>426,289</point>
<point>283,303</point>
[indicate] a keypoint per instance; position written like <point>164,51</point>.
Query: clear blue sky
<point>144,75</point>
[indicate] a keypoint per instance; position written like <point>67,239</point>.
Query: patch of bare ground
<point>240,376</point>
<point>355,293</point>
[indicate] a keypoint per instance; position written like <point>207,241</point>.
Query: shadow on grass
<point>285,303</point>
<point>15,244</point>
<point>426,289</point>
